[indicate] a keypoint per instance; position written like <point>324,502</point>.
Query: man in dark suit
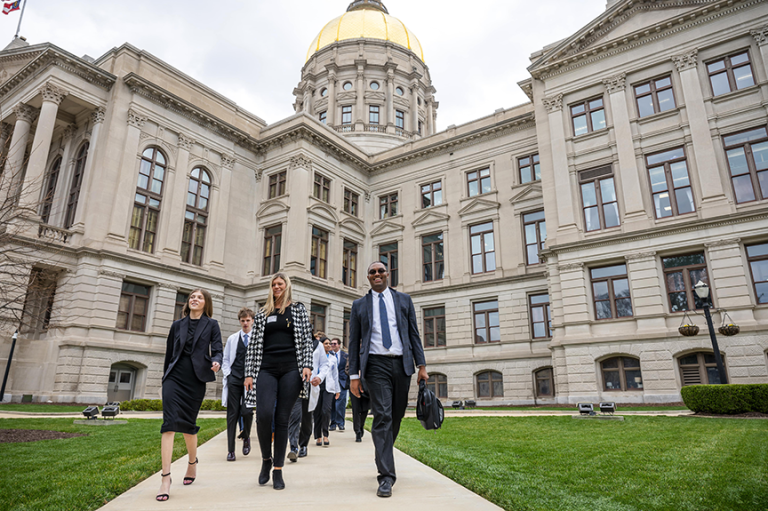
<point>384,346</point>
<point>340,406</point>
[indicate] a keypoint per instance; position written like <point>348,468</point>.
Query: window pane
<point>679,174</point>
<point>623,308</point>
<point>662,204</point>
<point>757,250</point>
<point>645,106</point>
<point>539,330</point>
<point>665,156</point>
<point>683,260</point>
<point>612,380</point>
<point>747,136</point>
<point>438,197</point>
<point>488,242</point>
<point>762,178</point>
<point>473,188</point>
<point>600,290</point>
<point>143,181</point>
<point>598,120</point>
<point>743,77</point>
<point>577,109</point>
<point>588,195</point>
<point>603,310</point>
<point>643,89</point>
<point>533,254</point>
<point>498,389</point>
<point>621,288</point>
<point>525,174</point>
<point>713,376</point>
<point>678,302</point>
<point>720,84</point>
<point>634,379</point>
<point>684,198</point>
<point>609,271</point>
<point>592,219</point>
<point>611,213</point>
<point>666,100</point>
<point>664,82</point>
<point>742,187</point>
<point>760,155</point>
<point>530,234</point>
<point>490,261</point>
<point>658,179</point>
<point>716,66</point>
<point>579,125</point>
<point>737,161</point>
<point>483,388</point>
<point>477,264</point>
<point>535,299</point>
<point>484,306</point>
<point>476,249</point>
<point>761,289</point>
<point>607,190</point>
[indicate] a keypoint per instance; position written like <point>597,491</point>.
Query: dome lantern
<point>359,5</point>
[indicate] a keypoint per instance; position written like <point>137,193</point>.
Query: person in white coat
<point>326,388</point>
<point>232,394</point>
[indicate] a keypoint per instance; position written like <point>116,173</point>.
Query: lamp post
<point>702,291</point>
<point>8,364</point>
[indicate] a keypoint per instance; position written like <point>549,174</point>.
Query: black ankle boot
<point>266,465</point>
<point>277,480</point>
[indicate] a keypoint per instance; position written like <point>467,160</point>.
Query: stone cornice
<point>688,60</point>
<point>615,83</point>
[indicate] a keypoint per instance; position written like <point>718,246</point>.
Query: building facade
<point>551,248</point>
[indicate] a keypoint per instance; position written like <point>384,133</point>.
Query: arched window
<point>544,382</point>
<point>50,190</point>
<point>146,205</point>
<point>622,373</point>
<point>490,384</point>
<point>698,369</point>
<point>438,383</point>
<point>74,187</point>
<point>196,217</point>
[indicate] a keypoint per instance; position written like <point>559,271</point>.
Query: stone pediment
<point>272,208</point>
<point>354,225</point>
<point>324,211</point>
<point>401,101</point>
<point>386,227</point>
<point>478,205</point>
<point>430,216</point>
<point>375,96</point>
<point>346,96</point>
<point>529,191</point>
<point>321,104</point>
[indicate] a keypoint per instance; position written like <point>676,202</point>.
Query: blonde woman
<point>192,356</point>
<point>278,364</point>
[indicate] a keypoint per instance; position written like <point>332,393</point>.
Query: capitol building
<point>550,248</point>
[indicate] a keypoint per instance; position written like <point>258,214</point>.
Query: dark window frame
<point>438,383</point>
<point>192,241</point>
<point>433,340</point>
<point>315,315</point>
<point>671,190</point>
<point>686,378</point>
<point>491,380</point>
<point>272,249</point>
<point>391,259</point>
<point>374,114</point>
<point>609,280</point>
<point>319,266</point>
<point>388,205</point>
<point>487,326</point>
<point>75,185</point>
<point>351,201</point>
<point>323,116</point>
<point>346,318</point>
<point>346,114</point>
<point>130,313</point>
<point>349,263</point>
<point>653,92</point>
<point>755,259</point>
<point>483,253</point>
<point>600,204</point>
<point>728,70</point>
<point>540,243</point>
<point>534,164</point>
<point>686,272</point>
<point>400,119</point>
<point>277,182</point>
<point>476,176</point>
<point>433,263</point>
<point>49,192</point>
<point>538,376</point>
<point>752,171</point>
<point>546,310</point>
<point>623,382</point>
<point>178,306</point>
<point>588,111</point>
<point>321,188</point>
<point>145,239</point>
<point>428,196</point>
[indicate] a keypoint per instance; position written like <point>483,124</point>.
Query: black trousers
<point>236,409</point>
<point>388,387</point>
<point>300,424</point>
<point>322,414</point>
<point>277,388</point>
<point>360,407</point>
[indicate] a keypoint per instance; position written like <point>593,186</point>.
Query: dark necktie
<point>245,340</point>
<point>386,337</point>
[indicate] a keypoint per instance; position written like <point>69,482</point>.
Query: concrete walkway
<point>342,475</point>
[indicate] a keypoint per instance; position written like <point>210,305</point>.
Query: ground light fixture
<point>91,412</point>
<point>110,410</point>
<point>702,291</point>
<point>457,405</point>
<point>586,408</point>
<point>607,408</point>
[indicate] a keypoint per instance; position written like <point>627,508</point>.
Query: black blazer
<point>361,323</point>
<point>343,376</point>
<point>207,334</point>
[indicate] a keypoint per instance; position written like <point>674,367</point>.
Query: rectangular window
<point>178,308</point>
<point>350,202</point>
<point>132,310</point>
<point>272,241</point>
<point>319,260</point>
<point>610,291</point>
<point>373,114</point>
<point>346,115</point>
<point>747,155</point>
<point>322,188</point>
<point>388,205</point>
<point>757,255</point>
<point>421,125</point>
<point>399,119</point>
<point>432,257</point>
<point>681,273</point>
<point>670,185</point>
<point>317,317</point>
<point>588,116</point>
<point>349,264</point>
<point>730,73</point>
<point>144,220</point>
<point>598,199</point>
<point>478,181</point>
<point>654,97</point>
<point>482,247</point>
<point>277,185</point>
<point>535,228</point>
<point>486,319</point>
<point>530,169</point>
<point>38,301</point>
<point>434,327</point>
<point>388,256</point>
<point>345,334</point>
<point>541,316</point>
<point>323,117</point>
<point>432,194</point>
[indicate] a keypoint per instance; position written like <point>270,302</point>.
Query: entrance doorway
<point>122,382</point>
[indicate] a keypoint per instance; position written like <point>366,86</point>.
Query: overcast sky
<point>252,51</point>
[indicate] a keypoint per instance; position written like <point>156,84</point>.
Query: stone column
<point>330,116</point>
<point>65,177</point>
<point>89,190</point>
<point>727,279</point>
<point>430,122</point>
<point>125,186</point>
<point>761,37</point>
<point>5,140</point>
<point>648,293</point>
<point>41,145</point>
<point>703,148</point>
<point>360,115</point>
<point>630,180</point>
<point>172,219</point>
<point>554,106</point>
<point>574,292</point>
<point>414,107</point>
<point>309,94</point>
<point>295,238</point>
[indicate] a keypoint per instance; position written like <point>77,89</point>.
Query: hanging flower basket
<point>728,328</point>
<point>688,330</point>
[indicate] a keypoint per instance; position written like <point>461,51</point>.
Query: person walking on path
<point>233,390</point>
<point>384,345</point>
<point>278,360</point>
<point>192,357</point>
<point>360,407</point>
<point>325,391</point>
<point>340,406</point>
<point>300,422</point>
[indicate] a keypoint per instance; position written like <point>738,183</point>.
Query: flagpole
<point>20,18</point>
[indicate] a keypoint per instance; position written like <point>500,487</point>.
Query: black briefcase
<point>429,409</point>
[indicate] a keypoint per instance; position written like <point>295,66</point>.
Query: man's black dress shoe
<point>293,455</point>
<point>246,446</point>
<point>331,428</point>
<point>358,437</point>
<point>303,452</point>
<point>385,488</point>
<point>231,456</point>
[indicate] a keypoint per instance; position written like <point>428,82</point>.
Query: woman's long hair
<point>207,308</point>
<point>270,307</point>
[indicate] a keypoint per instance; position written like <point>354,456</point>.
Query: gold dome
<point>366,24</point>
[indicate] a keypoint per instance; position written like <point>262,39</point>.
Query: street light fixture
<point>8,364</point>
<point>702,291</point>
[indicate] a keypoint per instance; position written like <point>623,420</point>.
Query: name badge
<point>271,319</point>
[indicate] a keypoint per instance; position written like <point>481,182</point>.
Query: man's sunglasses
<point>380,271</point>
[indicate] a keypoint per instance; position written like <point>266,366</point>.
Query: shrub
<point>142,405</point>
<point>212,404</point>
<point>726,399</point>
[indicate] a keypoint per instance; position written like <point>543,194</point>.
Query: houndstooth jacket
<point>302,335</point>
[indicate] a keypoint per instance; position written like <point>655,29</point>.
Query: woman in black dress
<point>192,356</point>
<point>278,364</point>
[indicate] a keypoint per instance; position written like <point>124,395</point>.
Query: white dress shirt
<point>377,344</point>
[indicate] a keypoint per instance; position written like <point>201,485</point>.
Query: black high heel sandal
<point>164,496</point>
<point>190,480</point>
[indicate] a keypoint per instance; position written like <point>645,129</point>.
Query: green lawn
<point>83,473</point>
<point>43,408</point>
<point>573,408</point>
<point>641,464</point>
